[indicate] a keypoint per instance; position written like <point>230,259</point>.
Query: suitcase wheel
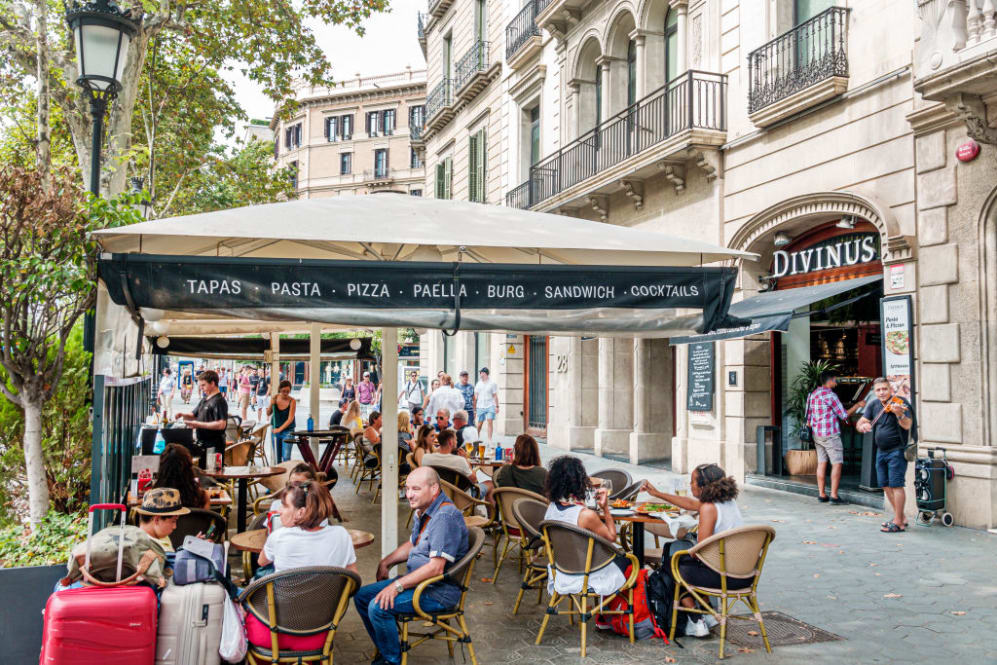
<point>947,519</point>
<point>924,517</point>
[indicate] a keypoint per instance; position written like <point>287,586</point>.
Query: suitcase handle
<point>121,540</point>
<point>108,506</point>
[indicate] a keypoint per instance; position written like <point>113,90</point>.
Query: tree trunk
<point>43,150</point>
<point>33,459</point>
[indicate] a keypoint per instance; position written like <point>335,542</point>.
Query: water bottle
<point>311,424</point>
<point>498,452</point>
<point>160,444</point>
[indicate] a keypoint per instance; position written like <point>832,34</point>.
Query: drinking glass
<point>469,447</point>
<point>681,486</point>
<point>481,450</point>
<point>590,498</point>
<point>607,485</point>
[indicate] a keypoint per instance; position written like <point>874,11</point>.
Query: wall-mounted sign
<point>968,151</point>
<point>898,344</point>
<point>702,359</point>
<point>840,251</point>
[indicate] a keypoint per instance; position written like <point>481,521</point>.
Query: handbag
<point>807,432</point>
<point>198,560</point>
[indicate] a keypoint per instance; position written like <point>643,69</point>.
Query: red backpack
<point>644,624</point>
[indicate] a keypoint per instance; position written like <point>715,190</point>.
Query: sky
<point>389,44</point>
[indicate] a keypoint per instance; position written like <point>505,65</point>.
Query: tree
<point>47,281</point>
<point>268,38</point>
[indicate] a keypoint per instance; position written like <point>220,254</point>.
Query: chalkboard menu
<point>702,358</point>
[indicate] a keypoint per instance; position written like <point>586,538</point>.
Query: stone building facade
<point>784,128</point>
<point>355,138</point>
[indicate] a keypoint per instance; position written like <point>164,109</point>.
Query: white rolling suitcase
<point>190,624</point>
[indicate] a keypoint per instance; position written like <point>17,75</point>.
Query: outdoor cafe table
<point>338,436</point>
<point>243,474</point>
<point>252,541</point>
<point>638,521</point>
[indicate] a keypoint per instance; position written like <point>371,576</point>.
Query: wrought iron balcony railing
<point>421,25</point>
<point>542,5</point>
<point>439,97</point>
<point>696,100</point>
<point>474,61</point>
<point>811,52</point>
<point>521,28</point>
<point>415,132</point>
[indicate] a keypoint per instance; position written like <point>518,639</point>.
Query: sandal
<point>887,524</point>
<point>892,527</point>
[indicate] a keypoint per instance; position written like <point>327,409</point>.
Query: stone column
<point>652,402</point>
<point>616,396</point>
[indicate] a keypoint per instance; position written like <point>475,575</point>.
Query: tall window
<point>631,73</point>
<point>476,167</point>
<point>444,178</point>
<point>381,163</point>
<point>479,21</point>
<point>415,161</point>
<point>447,53</point>
<point>330,128</point>
<point>372,123</point>
<point>294,174</point>
<point>388,121</point>
<point>534,135</point>
<point>804,10</point>
<point>671,45</point>
<point>345,163</point>
<point>346,126</point>
<point>292,137</point>
<point>416,116</point>
<point>598,95</point>
<point>810,46</point>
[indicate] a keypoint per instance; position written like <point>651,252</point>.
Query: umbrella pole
<point>315,380</point>
<point>389,440</point>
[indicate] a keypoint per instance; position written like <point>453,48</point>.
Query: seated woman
<point>524,471</point>
<point>566,486</point>
<point>713,495</point>
<point>351,418</point>
<point>306,539</point>
<point>404,431</point>
<point>425,442</point>
<point>176,470</point>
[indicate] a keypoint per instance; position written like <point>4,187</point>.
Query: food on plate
<point>620,503</point>
<point>654,508</point>
<point>897,342</point>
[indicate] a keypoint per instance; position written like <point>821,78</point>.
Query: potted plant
<point>803,461</point>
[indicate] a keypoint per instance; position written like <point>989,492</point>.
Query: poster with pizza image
<point>898,352</point>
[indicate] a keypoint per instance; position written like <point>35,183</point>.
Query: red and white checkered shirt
<point>824,410</point>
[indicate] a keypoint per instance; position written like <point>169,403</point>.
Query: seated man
<point>448,456</point>
<point>442,420</point>
<point>417,418</point>
<point>466,432</point>
<point>439,539</point>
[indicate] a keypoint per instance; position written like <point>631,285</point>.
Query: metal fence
<point>119,409</point>
<point>474,61</point>
<point>439,97</point>
<point>810,53</point>
<point>521,28</point>
<point>696,100</point>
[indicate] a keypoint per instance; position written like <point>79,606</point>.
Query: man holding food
<point>890,418</point>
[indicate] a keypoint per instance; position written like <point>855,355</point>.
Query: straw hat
<point>162,502</point>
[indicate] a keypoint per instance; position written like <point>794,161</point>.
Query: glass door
<point>536,386</point>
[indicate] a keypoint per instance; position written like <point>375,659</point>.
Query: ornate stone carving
<point>600,204</point>
<point>675,174</point>
<point>972,111</point>
<point>635,190</point>
<point>707,160</point>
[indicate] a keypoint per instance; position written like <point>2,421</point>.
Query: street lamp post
<point>102,33</point>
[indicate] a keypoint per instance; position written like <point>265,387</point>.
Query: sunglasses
<point>441,417</point>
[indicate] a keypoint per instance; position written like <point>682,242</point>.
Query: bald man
<point>439,539</point>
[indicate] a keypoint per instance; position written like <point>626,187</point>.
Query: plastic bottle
<point>311,424</point>
<point>498,452</point>
<point>160,444</point>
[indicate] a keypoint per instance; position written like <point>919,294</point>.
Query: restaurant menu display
<point>898,344</point>
<point>702,359</point>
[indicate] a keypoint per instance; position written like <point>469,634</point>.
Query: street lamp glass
<point>103,51</point>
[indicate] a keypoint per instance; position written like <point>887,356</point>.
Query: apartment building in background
<point>354,138</point>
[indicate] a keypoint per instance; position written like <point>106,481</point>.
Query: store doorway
<point>535,390</point>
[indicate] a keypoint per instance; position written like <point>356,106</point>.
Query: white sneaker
<point>696,629</point>
<point>710,620</point>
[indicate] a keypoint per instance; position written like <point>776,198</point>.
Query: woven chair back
<point>456,479</point>
<point>505,497</point>
<point>743,550</point>
<point>305,599</point>
<point>198,521</point>
<point>620,478</point>
<point>462,567</point>
<point>276,483</point>
<point>410,460</point>
<point>461,499</point>
<point>569,546</point>
<point>238,453</point>
<point>529,514</point>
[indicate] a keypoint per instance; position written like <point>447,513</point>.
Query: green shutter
<point>447,177</point>
<point>472,168</point>
<point>439,181</point>
<point>482,181</point>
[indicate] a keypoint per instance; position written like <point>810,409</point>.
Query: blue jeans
<point>283,450</point>
<point>380,624</point>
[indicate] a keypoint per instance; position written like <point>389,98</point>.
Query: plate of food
<point>620,503</point>
<point>621,512</point>
<point>648,507</point>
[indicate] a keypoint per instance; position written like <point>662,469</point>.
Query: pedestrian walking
<point>467,390</point>
<point>486,403</point>
<point>167,388</point>
<point>413,393</point>
<point>824,409</point>
<point>890,418</point>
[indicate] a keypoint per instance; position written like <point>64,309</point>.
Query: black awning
<point>518,297</point>
<point>774,310</point>
<point>254,348</point>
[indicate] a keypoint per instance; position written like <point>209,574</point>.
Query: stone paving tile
<point>829,567</point>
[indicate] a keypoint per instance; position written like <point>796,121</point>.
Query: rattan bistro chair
<point>736,553</point>
<point>459,574</point>
<point>529,514</point>
<point>621,480</point>
<point>466,503</point>
<point>573,550</point>
<point>198,521</point>
<point>512,535</point>
<point>302,601</point>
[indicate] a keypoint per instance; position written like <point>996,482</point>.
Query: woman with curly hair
<point>713,496</point>
<point>567,483</point>
<point>176,470</point>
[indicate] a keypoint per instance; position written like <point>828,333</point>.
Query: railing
<point>415,132</point>
<point>439,97</point>
<point>811,52</point>
<point>542,5</point>
<point>696,100</point>
<point>521,28</point>
<point>421,23</point>
<point>474,61</point>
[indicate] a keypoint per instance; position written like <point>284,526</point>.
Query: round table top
<point>252,541</point>
<point>321,432</point>
<point>238,472</point>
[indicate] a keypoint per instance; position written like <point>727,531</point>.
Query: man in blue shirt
<point>467,390</point>
<point>439,539</point>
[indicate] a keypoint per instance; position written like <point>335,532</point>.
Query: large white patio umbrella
<point>392,260</point>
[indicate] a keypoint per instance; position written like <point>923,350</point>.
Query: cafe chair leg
<point>551,609</point>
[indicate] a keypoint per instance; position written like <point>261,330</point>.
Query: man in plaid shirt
<point>823,411</point>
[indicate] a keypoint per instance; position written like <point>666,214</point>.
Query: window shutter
<point>481,166</point>
<point>438,193</point>
<point>472,167</point>
<point>448,178</point>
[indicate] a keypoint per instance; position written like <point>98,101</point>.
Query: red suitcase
<point>98,625</point>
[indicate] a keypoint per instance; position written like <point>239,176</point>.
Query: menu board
<point>702,360</point>
<point>898,344</point>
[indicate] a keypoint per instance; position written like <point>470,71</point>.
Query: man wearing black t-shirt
<point>210,417</point>
<point>890,425</point>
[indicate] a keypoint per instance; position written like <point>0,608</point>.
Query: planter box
<point>801,462</point>
<point>21,637</point>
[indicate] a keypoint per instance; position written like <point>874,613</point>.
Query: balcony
<point>386,177</point>
<point>421,27</point>
<point>473,72</point>
<point>438,8</point>
<point>522,36</point>
<point>677,123</point>
<point>556,16</point>
<point>955,62</point>
<point>439,107</point>
<point>799,69</point>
